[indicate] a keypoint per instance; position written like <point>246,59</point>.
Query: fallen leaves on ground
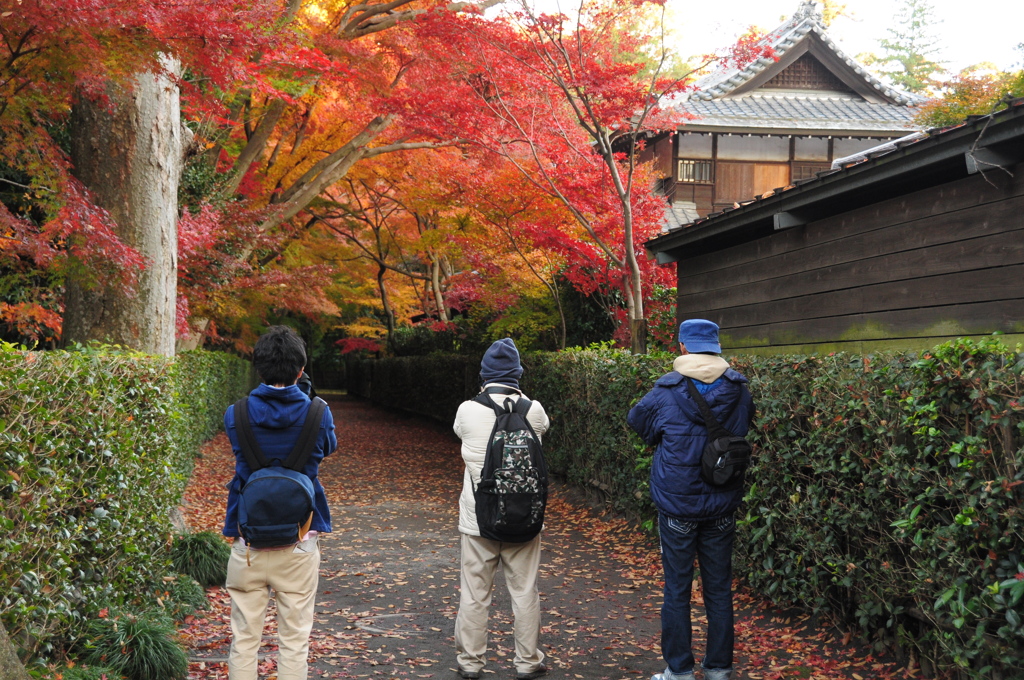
<point>389,577</point>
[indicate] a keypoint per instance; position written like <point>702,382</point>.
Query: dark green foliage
<point>586,393</point>
<point>184,596</point>
<point>586,320</point>
<point>887,489</point>
<point>95,449</point>
<point>203,556</point>
<point>198,182</point>
<point>138,647</point>
<point>462,336</point>
<point>448,379</point>
<point>87,673</point>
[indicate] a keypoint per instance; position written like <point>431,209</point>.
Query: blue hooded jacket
<point>277,415</point>
<point>680,436</point>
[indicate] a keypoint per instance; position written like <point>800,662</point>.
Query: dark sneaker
<point>536,673</point>
<point>469,675</point>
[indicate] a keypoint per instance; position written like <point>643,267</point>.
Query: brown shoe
<point>469,675</point>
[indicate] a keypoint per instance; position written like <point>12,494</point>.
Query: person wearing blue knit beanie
<point>501,364</point>
<point>500,370</point>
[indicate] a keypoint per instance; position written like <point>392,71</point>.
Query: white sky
<point>969,32</point>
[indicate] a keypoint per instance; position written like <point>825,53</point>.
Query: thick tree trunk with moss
<point>128,152</point>
<point>10,665</point>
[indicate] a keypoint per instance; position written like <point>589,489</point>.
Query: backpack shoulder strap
<point>715,429</point>
<point>246,439</point>
<point>523,406</point>
<point>482,398</point>
<point>308,437</point>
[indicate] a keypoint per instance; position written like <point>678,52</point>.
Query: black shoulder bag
<point>726,457</point>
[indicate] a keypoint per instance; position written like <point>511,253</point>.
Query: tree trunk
<point>561,311</point>
<point>10,665</point>
<point>385,300</point>
<point>435,284</point>
<point>195,336</point>
<point>129,155</point>
<point>638,336</point>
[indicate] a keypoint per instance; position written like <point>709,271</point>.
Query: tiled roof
<point>806,20</point>
<point>879,150</point>
<point>799,110</point>
<point>867,158</point>
<point>679,215</point>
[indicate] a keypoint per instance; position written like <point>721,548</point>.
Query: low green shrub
<point>887,489</point>
<point>203,556</point>
<point>139,647</point>
<point>184,596</point>
<point>79,672</point>
<point>96,446</point>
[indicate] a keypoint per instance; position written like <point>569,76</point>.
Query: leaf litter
<point>389,577</point>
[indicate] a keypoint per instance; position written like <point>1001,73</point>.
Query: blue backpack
<point>275,508</point>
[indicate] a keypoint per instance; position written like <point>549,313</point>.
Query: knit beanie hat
<point>501,364</point>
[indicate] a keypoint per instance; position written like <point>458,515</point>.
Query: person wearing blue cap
<point>695,519</point>
<point>500,370</point>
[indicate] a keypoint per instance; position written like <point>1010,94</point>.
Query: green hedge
<point>887,488</point>
<point>95,449</point>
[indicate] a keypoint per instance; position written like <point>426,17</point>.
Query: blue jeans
<point>711,542</point>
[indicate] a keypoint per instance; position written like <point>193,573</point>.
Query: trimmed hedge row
<point>96,447</point>
<point>887,488</point>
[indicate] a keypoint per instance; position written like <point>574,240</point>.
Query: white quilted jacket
<point>473,425</point>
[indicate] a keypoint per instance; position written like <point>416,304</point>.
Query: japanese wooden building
<point>903,247</point>
<point>773,122</point>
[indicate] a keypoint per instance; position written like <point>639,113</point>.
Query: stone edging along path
<point>389,577</point>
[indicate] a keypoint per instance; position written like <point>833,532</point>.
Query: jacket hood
<point>703,367</point>
<point>277,407</point>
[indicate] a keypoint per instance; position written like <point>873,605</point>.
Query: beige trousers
<point>293,573</point>
<point>519,562</point>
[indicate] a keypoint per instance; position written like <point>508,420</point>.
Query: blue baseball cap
<point>699,335</point>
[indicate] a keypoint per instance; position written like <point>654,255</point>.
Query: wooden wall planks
<point>943,261</point>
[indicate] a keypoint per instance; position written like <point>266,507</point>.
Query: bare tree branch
<point>362,20</point>
<point>255,146</point>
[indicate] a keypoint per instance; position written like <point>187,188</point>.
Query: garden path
<point>389,577</point>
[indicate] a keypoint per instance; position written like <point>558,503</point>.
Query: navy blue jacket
<point>277,415</point>
<point>680,436</point>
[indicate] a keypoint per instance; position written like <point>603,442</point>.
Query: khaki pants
<point>519,562</point>
<point>293,573</point>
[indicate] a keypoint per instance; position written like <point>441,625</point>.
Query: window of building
<point>694,145</point>
<point>848,147</point>
<point>811,149</point>
<point>753,148</point>
<point>808,170</point>
<point>695,171</point>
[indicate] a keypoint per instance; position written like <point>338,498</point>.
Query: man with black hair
<point>276,412</point>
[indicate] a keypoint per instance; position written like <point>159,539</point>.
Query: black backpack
<point>726,457</point>
<point>275,507</point>
<point>513,488</point>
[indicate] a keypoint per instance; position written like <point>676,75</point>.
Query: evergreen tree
<point>910,52</point>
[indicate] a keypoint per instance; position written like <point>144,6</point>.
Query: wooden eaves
<point>980,144</point>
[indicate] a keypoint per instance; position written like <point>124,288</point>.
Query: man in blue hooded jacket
<point>277,412</point>
<point>695,519</point>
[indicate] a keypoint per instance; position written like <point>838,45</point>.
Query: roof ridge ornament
<point>808,9</point>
